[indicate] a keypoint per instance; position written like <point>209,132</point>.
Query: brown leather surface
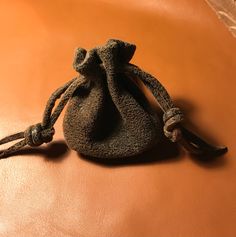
<point>54,192</point>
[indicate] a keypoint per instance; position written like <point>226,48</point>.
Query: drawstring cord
<point>43,132</point>
<point>106,58</point>
<point>173,117</point>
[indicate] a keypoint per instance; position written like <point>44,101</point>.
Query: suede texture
<point>109,116</point>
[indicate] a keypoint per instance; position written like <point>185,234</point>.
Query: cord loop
<point>36,135</point>
<point>172,118</point>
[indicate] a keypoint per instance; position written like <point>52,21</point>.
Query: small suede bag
<point>108,115</point>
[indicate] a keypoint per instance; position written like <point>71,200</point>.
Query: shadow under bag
<point>108,115</point>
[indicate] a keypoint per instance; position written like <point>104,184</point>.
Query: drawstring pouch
<point>108,115</point>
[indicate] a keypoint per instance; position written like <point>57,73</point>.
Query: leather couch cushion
<point>51,191</point>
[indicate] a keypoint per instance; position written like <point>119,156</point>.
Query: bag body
<point>110,116</point>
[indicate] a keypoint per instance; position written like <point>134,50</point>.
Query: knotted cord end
<point>171,119</point>
<point>36,135</point>
<point>191,142</point>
